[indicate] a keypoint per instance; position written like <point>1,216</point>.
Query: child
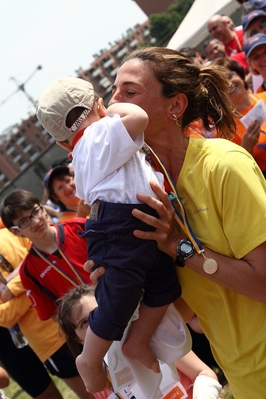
<point>109,171</point>
<point>73,312</point>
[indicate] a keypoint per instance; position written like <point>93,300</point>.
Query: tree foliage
<point>163,25</point>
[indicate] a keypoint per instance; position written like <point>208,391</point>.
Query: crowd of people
<point>157,222</point>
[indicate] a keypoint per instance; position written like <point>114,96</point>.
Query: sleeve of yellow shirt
<point>15,286</point>
<point>12,311</point>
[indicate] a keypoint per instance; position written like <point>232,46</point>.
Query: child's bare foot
<point>142,353</point>
<point>94,378</point>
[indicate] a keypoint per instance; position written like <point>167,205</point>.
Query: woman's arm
<point>14,288</point>
<point>12,311</point>
<point>205,381</point>
<point>192,367</point>
<point>250,281</point>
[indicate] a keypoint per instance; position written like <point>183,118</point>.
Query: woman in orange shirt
<point>60,189</point>
<point>253,138</point>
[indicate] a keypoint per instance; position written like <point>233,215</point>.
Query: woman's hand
<point>251,136</point>
<point>166,232</point>
<point>96,274</point>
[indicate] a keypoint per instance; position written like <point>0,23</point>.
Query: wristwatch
<point>185,250</point>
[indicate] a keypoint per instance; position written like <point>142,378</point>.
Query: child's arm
<point>89,363</point>
<point>134,118</point>
<point>206,385</point>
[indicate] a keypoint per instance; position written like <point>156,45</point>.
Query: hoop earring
<point>176,120</point>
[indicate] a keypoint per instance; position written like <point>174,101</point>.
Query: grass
<point>13,391</point>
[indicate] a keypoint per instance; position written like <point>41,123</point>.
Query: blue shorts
<point>132,265</point>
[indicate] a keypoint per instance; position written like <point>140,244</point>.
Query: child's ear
<point>101,108</point>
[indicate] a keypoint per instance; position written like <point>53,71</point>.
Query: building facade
<point>22,146</point>
<point>103,69</point>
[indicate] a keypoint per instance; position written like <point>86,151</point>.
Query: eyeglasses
<point>258,29</point>
<point>25,222</point>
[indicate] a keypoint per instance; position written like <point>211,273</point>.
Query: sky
<point>61,36</point>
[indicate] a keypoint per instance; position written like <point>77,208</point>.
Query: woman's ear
<point>101,108</point>
<point>178,105</point>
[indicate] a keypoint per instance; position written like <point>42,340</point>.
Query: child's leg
<point>136,345</point>
<point>89,362</point>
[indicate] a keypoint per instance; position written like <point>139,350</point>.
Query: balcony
<point>114,71</point>
<point>134,43</point>
<point>27,148</point>
<point>108,63</point>
<point>104,82</point>
<point>96,73</point>
<point>121,53</point>
<point>10,150</point>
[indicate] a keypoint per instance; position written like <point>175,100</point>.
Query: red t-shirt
<point>241,59</point>
<point>36,273</point>
<point>236,44</point>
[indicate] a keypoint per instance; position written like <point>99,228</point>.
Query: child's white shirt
<point>109,165</point>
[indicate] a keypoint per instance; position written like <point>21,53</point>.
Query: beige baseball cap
<point>59,98</point>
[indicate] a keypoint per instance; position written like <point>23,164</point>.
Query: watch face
<point>186,248</point>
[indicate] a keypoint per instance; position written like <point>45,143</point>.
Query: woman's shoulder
<point>214,146</point>
<point>218,154</point>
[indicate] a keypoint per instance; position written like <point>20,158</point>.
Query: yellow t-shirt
<point>227,212</point>
<point>14,249</point>
<point>43,336</point>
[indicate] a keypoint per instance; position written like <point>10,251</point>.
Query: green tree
<point>163,25</point>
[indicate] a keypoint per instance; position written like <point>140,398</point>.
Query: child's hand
<point>94,378</point>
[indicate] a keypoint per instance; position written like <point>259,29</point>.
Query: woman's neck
<point>171,153</point>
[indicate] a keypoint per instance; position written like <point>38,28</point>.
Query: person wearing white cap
<point>109,171</point>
